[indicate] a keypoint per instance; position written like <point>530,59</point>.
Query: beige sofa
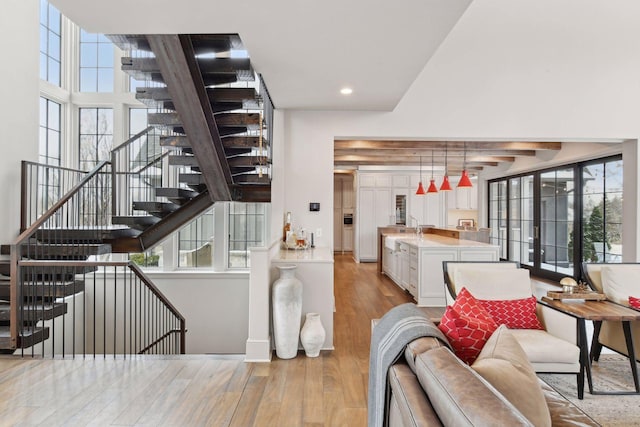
<point>430,386</point>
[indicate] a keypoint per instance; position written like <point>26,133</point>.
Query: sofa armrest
<point>557,323</point>
<point>410,405</point>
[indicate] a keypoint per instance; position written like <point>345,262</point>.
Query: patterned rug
<point>611,373</point>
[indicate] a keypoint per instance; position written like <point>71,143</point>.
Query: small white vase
<point>286,297</point>
<point>312,335</point>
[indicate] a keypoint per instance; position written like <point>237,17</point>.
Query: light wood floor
<point>205,390</point>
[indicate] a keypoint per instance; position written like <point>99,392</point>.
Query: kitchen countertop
<point>317,254</point>
<point>435,241</point>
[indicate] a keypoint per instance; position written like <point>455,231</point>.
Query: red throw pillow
<point>634,302</point>
<point>467,305</point>
<point>516,314</point>
<point>467,335</point>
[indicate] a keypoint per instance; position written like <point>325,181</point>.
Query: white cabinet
<point>428,208</point>
<point>431,290</point>
<point>374,210</point>
<point>390,263</point>
<point>412,285</point>
<point>463,198</point>
<point>347,241</point>
<point>404,265</point>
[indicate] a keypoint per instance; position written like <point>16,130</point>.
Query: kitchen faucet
<point>418,228</point>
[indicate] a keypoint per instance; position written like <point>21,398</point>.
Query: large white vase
<point>286,297</point>
<point>312,335</point>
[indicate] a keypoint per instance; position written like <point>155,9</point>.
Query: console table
<point>597,311</point>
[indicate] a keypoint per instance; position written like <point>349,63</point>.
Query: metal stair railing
<point>37,283</point>
<point>42,186</point>
<point>120,312</point>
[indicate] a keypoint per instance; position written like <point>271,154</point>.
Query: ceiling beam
<point>439,160</point>
<point>176,59</point>
<point>427,153</point>
<point>441,145</point>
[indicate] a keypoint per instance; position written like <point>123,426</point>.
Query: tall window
<point>498,215</point>
<point>50,43</point>
<point>195,242</point>
<point>246,229</point>
<point>96,136</point>
<point>96,63</point>
<point>602,211</point>
<point>559,217</point>
<point>49,132</point>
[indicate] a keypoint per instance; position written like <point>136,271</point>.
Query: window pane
<point>88,80</point>
<point>88,55</point>
<point>105,80</point>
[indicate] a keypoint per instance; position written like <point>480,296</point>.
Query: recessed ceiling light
<point>346,91</point>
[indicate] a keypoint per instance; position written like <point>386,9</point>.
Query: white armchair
<point>552,350</point>
<point>624,280</point>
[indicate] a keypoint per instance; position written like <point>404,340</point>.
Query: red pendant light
<point>432,185</point>
<point>464,179</point>
<point>420,191</point>
<point>445,186</point>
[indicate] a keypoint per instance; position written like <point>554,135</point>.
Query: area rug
<point>610,373</point>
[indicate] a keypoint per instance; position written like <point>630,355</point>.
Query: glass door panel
<point>557,189</point>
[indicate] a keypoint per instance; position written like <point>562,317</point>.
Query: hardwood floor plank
<point>313,391</point>
<point>328,391</point>
<point>247,408</point>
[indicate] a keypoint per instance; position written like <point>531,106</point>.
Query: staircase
<point>207,141</point>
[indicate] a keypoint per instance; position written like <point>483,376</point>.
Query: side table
<point>597,311</point>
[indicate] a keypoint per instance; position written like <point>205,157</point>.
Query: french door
<point>534,220</point>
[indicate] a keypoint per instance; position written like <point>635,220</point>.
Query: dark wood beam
<point>451,145</point>
<point>176,60</point>
<point>427,152</point>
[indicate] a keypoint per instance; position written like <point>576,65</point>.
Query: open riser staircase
<point>57,293</point>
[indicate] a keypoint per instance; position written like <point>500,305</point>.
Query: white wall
<point>215,306</point>
<point>528,70</point>
<point>19,109</point>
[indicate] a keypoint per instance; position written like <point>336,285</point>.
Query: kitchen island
<point>415,263</point>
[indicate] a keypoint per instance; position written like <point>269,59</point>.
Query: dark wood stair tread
<point>84,235</point>
<point>30,336</point>
<point>60,251</point>
<point>35,312</point>
<point>176,195</point>
<point>139,222</point>
<point>58,289</point>
<point>159,209</point>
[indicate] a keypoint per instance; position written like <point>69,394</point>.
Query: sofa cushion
<point>417,346</point>
<point>467,335</point>
<point>620,281</point>
<point>460,396</point>
<point>516,314</point>
<point>504,364</point>
<point>543,348</point>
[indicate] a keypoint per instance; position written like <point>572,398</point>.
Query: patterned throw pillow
<point>516,314</point>
<point>467,326</point>
<point>634,302</point>
<point>467,305</point>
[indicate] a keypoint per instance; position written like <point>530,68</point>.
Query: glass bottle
<point>287,226</point>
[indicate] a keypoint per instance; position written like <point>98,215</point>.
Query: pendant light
<point>420,189</point>
<point>445,181</point>
<point>432,185</point>
<point>464,179</point>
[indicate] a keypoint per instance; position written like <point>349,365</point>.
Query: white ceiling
<point>306,50</point>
